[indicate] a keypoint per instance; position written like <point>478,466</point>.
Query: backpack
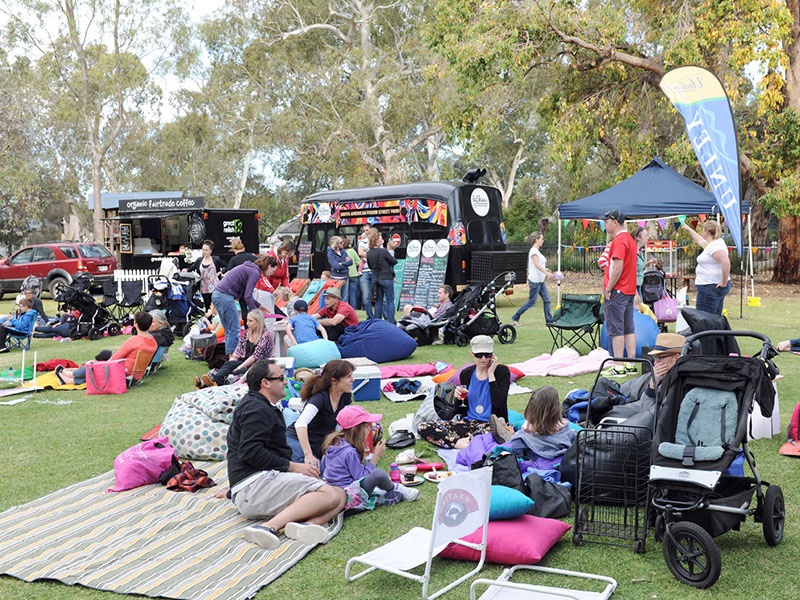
<point>706,426</point>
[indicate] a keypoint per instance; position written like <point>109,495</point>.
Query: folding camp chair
<point>462,506</point>
<point>143,360</point>
<point>578,319</point>
<point>131,299</point>
<point>157,360</point>
<point>503,588</point>
<point>109,295</point>
<point>18,339</point>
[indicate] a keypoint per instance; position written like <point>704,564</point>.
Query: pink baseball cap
<point>353,415</point>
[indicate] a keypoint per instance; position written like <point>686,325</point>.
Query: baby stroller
<point>176,298</point>
<point>654,288</point>
<point>94,319</point>
<point>697,477</point>
<point>474,312</point>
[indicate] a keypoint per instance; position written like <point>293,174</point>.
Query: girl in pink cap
<point>345,464</point>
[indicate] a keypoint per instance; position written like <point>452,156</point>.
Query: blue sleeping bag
<point>378,340</point>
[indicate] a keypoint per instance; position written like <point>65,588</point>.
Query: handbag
<point>505,469</point>
<point>666,309</point>
<point>142,464</point>
<point>551,500</point>
<point>445,403</point>
<point>106,377</point>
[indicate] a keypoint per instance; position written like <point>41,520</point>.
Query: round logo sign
<point>480,202</point>
<point>413,249</point>
<point>324,212</point>
<point>429,248</point>
<point>396,238</point>
<point>442,247</point>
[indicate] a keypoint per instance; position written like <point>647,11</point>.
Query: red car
<point>56,264</point>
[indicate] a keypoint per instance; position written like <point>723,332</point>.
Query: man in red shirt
<point>619,286</point>
<point>336,314</point>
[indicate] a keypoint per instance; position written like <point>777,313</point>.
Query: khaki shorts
<point>273,491</point>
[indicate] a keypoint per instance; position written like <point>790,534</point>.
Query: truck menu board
<point>425,268</point>
<point>408,289</point>
<point>304,260</point>
<point>125,240</point>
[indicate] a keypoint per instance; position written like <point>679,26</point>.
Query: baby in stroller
<point>697,490</point>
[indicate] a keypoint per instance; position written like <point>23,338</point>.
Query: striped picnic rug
<point>147,541</point>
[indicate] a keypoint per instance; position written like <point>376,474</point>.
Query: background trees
<point>269,100</point>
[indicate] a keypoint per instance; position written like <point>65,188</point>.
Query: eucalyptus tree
<point>604,112</point>
<point>341,87</point>
<point>96,59</point>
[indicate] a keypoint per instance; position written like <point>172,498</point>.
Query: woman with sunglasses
<point>484,386</point>
<point>324,396</point>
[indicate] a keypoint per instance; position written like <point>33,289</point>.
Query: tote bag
<point>106,377</point>
<point>142,464</point>
<point>666,309</point>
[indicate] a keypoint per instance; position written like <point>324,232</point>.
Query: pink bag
<point>142,464</point>
<point>666,309</point>
<point>106,377</point>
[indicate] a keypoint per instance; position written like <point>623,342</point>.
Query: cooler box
<point>200,343</point>
<point>287,362</point>
<point>366,383</point>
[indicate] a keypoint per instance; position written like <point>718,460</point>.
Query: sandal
<point>60,368</point>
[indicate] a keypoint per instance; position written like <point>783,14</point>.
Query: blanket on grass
<point>564,362</point>
<point>147,541</point>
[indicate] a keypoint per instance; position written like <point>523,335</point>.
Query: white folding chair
<point>503,588</point>
<point>462,506</point>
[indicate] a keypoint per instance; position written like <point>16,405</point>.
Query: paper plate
<point>417,481</point>
<point>438,476</point>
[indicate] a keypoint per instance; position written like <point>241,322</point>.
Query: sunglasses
<point>482,354</point>
<point>279,378</point>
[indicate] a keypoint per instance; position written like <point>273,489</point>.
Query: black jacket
<point>498,389</point>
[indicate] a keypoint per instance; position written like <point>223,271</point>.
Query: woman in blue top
<point>485,388</point>
<point>340,263</point>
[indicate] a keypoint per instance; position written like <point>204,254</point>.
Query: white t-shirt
<point>708,269</point>
<point>534,274</point>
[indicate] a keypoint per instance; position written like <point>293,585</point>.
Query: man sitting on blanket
<point>265,484</point>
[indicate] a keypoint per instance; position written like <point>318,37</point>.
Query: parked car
<point>56,264</point>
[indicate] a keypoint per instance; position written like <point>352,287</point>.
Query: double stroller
<point>474,312</point>
<point>698,487</point>
<point>94,319</point>
<point>176,296</point>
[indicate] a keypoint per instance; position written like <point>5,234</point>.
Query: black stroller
<point>177,298</point>
<point>94,319</point>
<point>654,288</point>
<point>474,312</point>
<point>697,482</point>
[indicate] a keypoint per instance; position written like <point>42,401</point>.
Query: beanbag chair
<point>313,354</point>
<point>377,340</point>
<point>646,332</point>
<point>197,423</point>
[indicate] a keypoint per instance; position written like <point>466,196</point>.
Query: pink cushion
<point>521,541</point>
<point>515,374</point>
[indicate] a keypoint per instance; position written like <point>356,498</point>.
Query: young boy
<point>302,327</point>
<point>21,325</point>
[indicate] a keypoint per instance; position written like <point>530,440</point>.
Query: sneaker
<point>266,537</point>
<point>306,533</point>
<point>500,431</point>
<point>409,494</point>
<point>614,371</point>
<point>631,368</point>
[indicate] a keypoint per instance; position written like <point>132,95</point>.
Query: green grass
<point>58,438</point>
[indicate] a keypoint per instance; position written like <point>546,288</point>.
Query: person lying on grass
<point>141,342</point>
<point>265,483</point>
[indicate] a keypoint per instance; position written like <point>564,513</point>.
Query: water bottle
<point>11,376</point>
<point>394,473</point>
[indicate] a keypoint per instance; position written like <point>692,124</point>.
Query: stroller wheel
<point>691,554</point>
<point>773,514</point>
<point>461,339</point>
<point>113,329</point>
<point>95,334</point>
<point>659,527</point>
<point>507,334</point>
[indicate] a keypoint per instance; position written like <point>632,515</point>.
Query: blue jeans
<point>354,297</point>
<point>536,290</point>
<point>229,317</point>
<point>710,298</point>
<point>384,304</point>
<point>345,289</point>
<point>366,293</point>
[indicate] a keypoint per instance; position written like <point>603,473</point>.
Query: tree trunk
<point>787,266</point>
<point>97,208</point>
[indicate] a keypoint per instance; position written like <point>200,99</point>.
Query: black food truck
<point>143,227</point>
<point>464,213</point>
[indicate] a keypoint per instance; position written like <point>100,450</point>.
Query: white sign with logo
<point>480,202</point>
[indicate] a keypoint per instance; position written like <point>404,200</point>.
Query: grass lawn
<point>58,438</point>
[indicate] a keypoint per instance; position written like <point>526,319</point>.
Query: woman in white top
<point>537,273</point>
<point>712,276</point>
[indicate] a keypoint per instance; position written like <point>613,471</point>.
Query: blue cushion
<point>508,503</point>
<point>378,340</point>
<point>313,354</point>
<point>515,419</point>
